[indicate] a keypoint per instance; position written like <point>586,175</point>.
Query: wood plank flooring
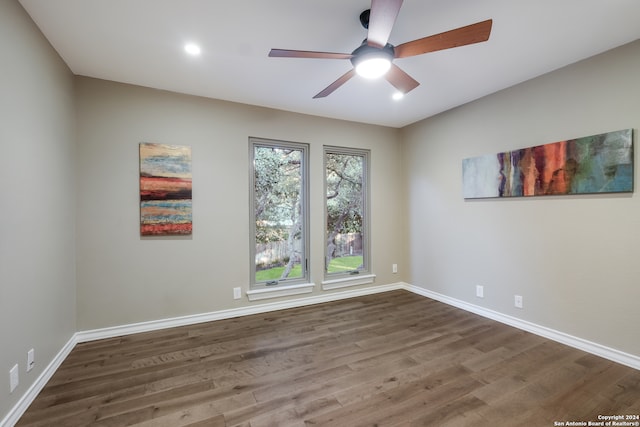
<point>391,359</point>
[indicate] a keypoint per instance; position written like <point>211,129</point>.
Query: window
<point>279,247</point>
<point>347,211</point>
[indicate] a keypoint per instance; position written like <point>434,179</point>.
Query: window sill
<point>346,282</point>
<point>279,291</point>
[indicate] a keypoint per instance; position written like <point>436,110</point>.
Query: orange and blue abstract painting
<point>165,189</point>
<point>594,164</point>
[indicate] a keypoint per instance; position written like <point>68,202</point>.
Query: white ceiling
<point>141,42</point>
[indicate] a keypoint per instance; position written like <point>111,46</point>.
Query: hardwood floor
<point>391,359</point>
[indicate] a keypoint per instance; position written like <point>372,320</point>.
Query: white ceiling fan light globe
<point>373,68</point>
<point>192,49</point>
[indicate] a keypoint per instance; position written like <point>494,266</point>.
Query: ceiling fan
<point>374,57</point>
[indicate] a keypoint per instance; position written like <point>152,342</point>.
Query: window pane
<point>346,211</point>
<point>279,213</point>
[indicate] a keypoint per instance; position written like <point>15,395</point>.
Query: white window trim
<point>345,282</point>
<point>280,291</point>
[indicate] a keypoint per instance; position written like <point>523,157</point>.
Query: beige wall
<point>574,259</point>
<point>37,267</point>
<point>123,278</point>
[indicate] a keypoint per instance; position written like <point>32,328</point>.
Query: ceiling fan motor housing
<point>365,51</point>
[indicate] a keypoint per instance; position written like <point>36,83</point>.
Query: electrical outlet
<point>31,361</point>
<point>480,291</point>
<point>394,268</point>
<point>14,379</point>
<point>237,293</point>
<point>517,301</point>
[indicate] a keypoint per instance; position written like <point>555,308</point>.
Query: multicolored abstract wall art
<point>165,189</point>
<point>593,164</point>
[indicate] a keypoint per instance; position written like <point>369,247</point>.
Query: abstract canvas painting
<point>165,189</point>
<point>594,164</point>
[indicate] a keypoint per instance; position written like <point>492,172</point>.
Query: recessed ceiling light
<point>398,96</point>
<point>192,49</point>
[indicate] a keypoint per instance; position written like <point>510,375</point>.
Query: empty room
<point>225,214</point>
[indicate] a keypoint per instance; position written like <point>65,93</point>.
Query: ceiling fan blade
<point>381,19</point>
<point>474,33</point>
<point>285,53</point>
<point>335,85</point>
<point>401,80</point>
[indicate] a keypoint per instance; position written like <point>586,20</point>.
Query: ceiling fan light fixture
<point>373,68</point>
<point>372,62</point>
<point>192,49</point>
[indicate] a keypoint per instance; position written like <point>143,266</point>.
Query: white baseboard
<point>84,336</point>
<point>618,356</point>
<point>29,396</point>
<point>102,333</point>
<point>612,354</point>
